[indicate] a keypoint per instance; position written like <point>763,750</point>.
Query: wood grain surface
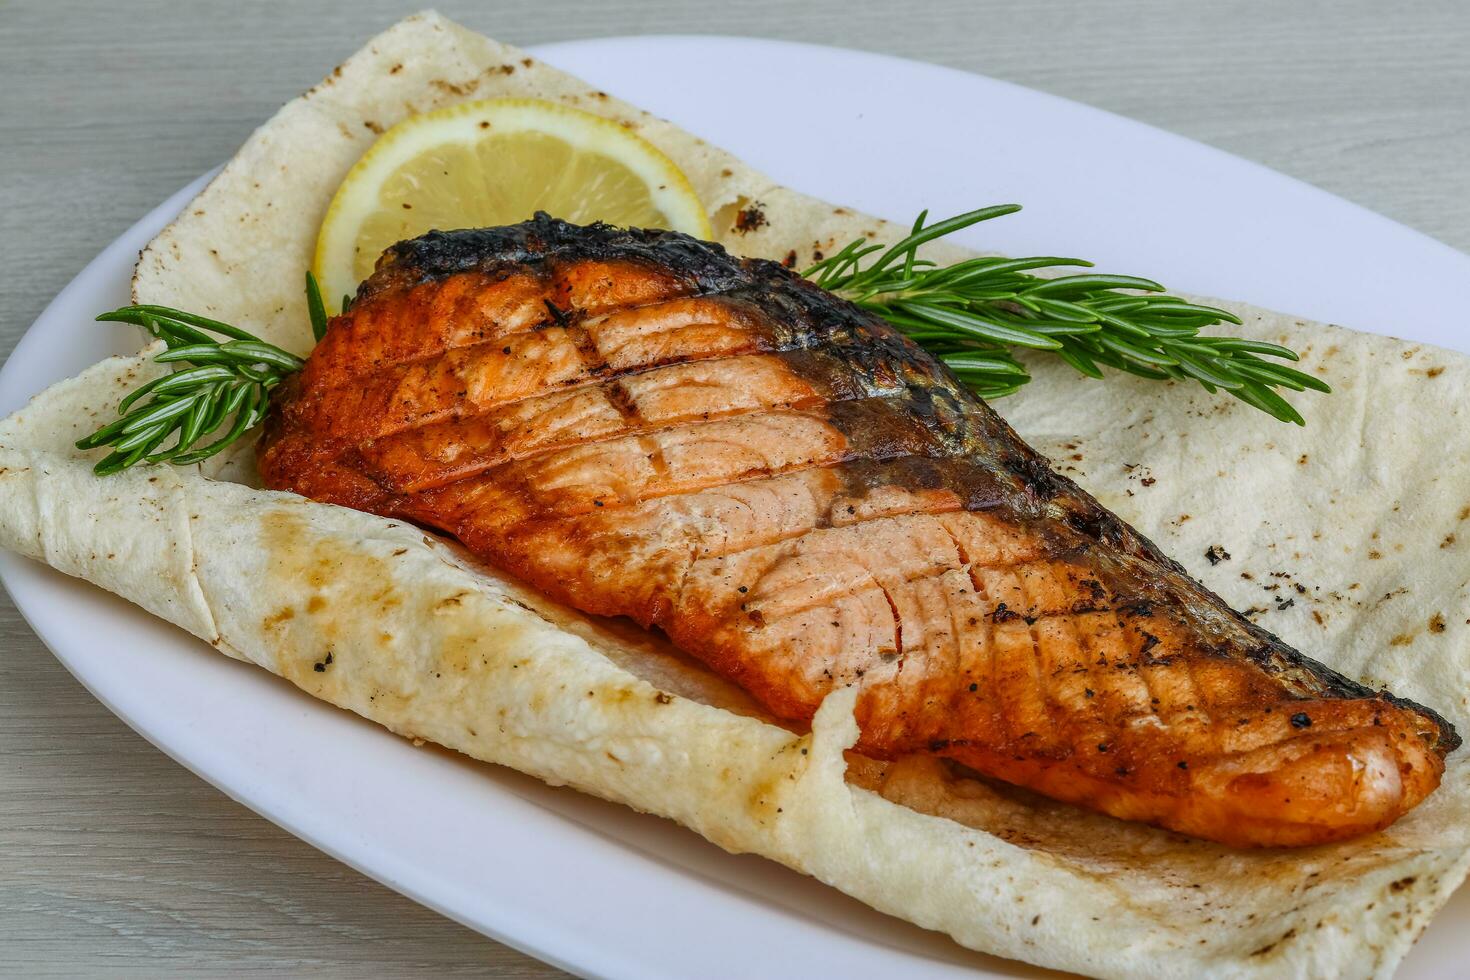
<point>116,861</point>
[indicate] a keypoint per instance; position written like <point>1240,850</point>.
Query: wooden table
<point>115,860</point>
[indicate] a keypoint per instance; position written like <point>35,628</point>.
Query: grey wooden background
<point>113,860</point>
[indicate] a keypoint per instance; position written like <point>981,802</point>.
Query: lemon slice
<point>496,162</point>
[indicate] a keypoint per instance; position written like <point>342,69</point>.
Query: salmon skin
<point>641,425</point>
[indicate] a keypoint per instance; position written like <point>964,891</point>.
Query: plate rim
<point>525,937</point>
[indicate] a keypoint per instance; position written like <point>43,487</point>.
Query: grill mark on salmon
<point>607,350</point>
<point>655,399</point>
<point>626,470</point>
<point>641,425</point>
<point>612,338</point>
<point>657,542</point>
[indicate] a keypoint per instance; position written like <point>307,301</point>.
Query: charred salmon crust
<point>641,425</point>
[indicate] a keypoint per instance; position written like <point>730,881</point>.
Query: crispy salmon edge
<point>242,569</point>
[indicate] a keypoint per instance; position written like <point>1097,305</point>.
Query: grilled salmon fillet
<point>641,425</point>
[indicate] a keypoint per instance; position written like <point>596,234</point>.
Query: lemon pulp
<point>496,162</point>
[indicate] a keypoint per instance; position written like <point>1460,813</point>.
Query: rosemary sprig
<point>225,382</point>
<point>974,313</point>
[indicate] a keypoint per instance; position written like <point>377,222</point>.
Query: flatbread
<point>1343,537</point>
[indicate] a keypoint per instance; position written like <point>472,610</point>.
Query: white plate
<point>596,888</point>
